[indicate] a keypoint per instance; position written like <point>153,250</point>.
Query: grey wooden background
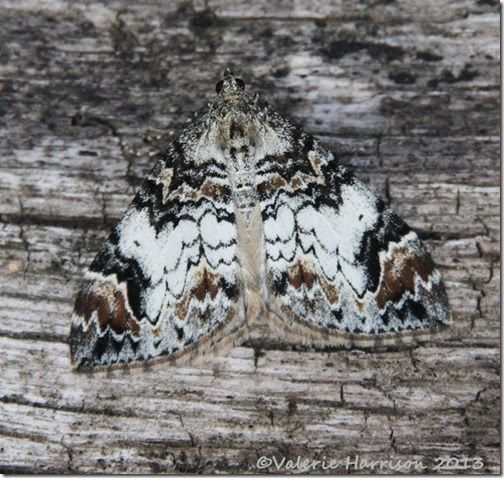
<point>407,92</point>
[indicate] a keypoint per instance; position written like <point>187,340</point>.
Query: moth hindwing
<point>248,217</point>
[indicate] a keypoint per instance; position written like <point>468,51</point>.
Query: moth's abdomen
<point>242,176</point>
<point>244,193</point>
<point>250,250</point>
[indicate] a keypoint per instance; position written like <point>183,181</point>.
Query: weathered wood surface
<point>407,92</point>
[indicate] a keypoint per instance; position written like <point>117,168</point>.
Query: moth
<point>247,217</point>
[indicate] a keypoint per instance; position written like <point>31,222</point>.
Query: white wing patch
<point>166,282</point>
<point>320,272</point>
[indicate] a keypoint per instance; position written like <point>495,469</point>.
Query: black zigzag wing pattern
<point>341,266</point>
<point>166,278</point>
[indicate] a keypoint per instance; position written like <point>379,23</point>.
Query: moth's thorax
<point>238,135</point>
<point>237,131</point>
<point>236,120</point>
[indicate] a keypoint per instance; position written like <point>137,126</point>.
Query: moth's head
<point>234,114</point>
<point>229,86</point>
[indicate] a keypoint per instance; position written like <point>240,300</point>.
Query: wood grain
<point>407,93</point>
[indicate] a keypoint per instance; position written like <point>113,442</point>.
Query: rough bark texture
<point>405,91</point>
